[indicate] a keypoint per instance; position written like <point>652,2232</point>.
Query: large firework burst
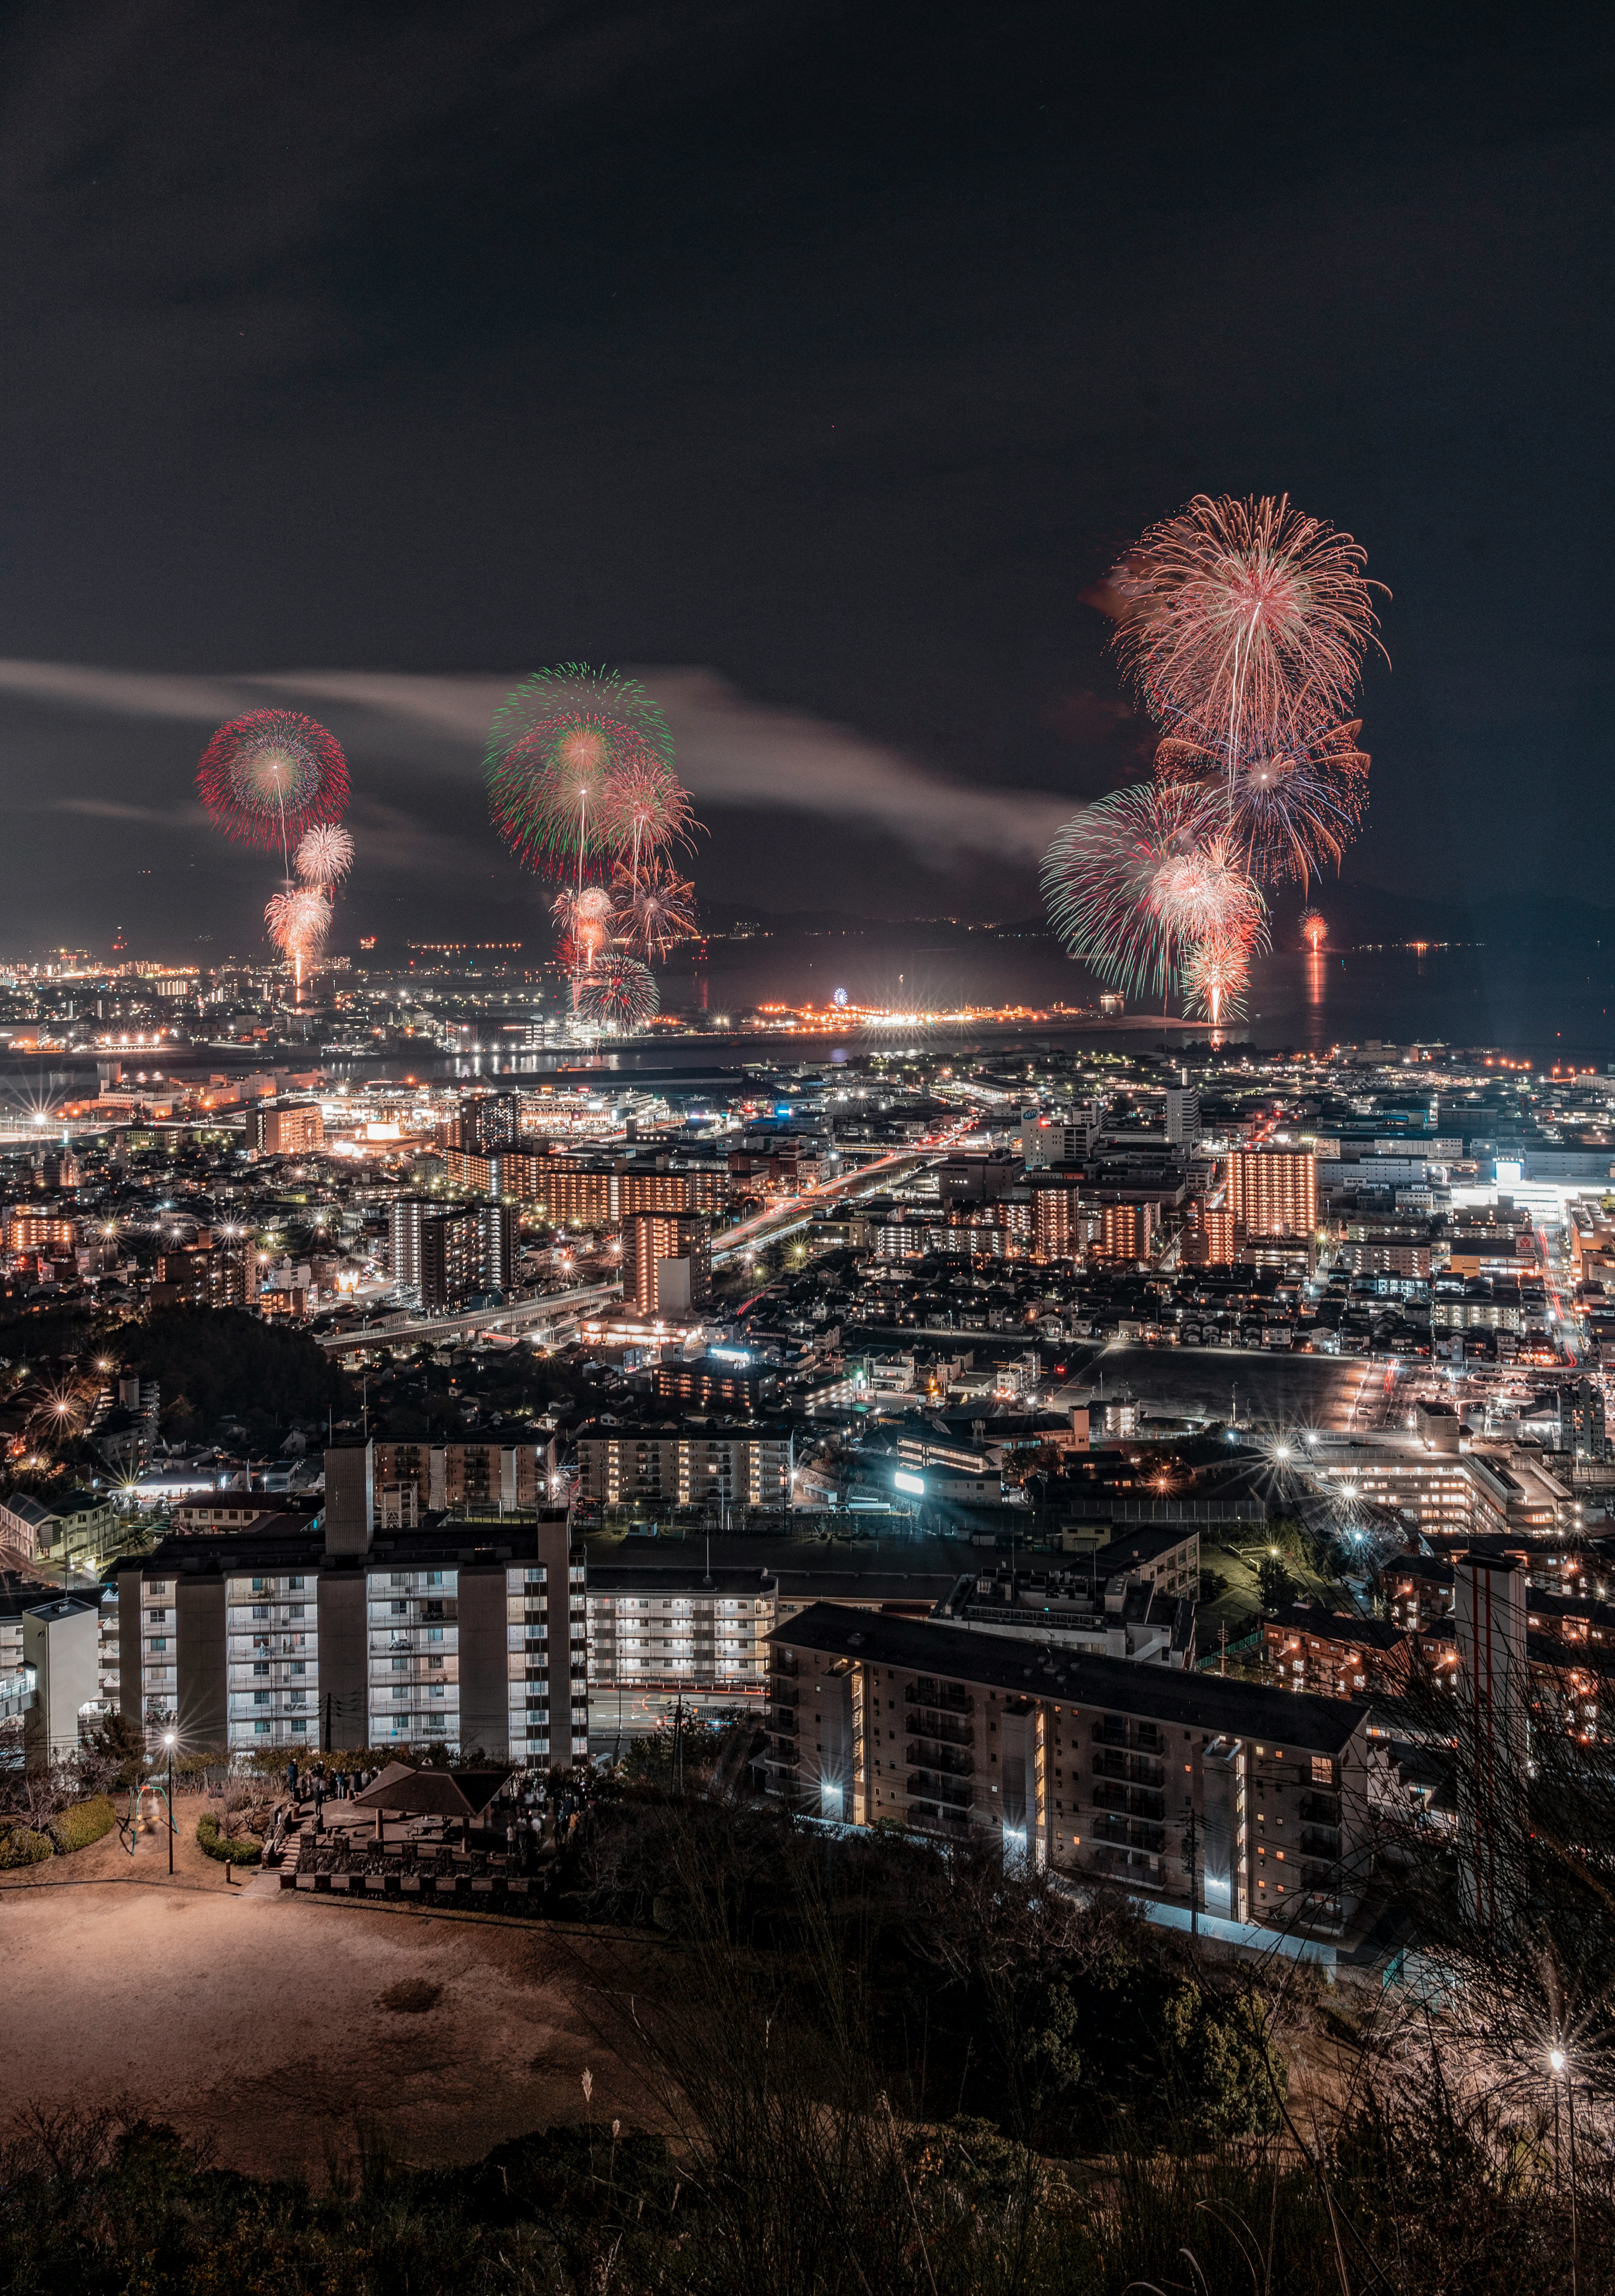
<point>654,908</point>
<point>1241,618</point>
<point>270,777</point>
<point>325,855</point>
<point>620,992</point>
<point>1127,882</point>
<point>556,747</point>
<point>1292,802</point>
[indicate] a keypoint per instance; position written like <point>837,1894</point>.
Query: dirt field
<point>262,2018</point>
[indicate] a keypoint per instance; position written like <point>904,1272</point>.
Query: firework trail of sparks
<point>620,992</point>
<point>1217,973</point>
<point>325,855</point>
<point>1291,803</point>
<point>645,810</point>
<point>1241,618</point>
<point>584,921</point>
<point>554,750</point>
<point>266,778</point>
<point>1205,893</point>
<point>654,908</point>
<point>1128,882</point>
<point>1314,931</point>
<point>298,920</point>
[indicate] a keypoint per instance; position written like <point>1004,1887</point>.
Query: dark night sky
<point>823,354</point>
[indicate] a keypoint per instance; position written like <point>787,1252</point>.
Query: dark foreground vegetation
<point>870,2067</point>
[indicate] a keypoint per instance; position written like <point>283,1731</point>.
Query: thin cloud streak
<point>732,750</point>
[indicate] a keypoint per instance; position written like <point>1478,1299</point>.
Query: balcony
<point>1133,1833</point>
<point>941,1697</point>
<point>1315,1842</point>
<point>1321,1809</point>
<point>1137,1769</point>
<point>934,1754</point>
<point>1143,1737</point>
<point>951,1825</point>
<point>930,1785</point>
<point>1134,1801</point>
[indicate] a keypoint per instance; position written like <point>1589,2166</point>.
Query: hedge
<point>222,1845</point>
<point>20,1845</point>
<point>83,1822</point>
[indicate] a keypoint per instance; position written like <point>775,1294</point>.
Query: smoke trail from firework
<point>555,749</point>
<point>1241,620</point>
<point>1292,802</point>
<point>266,778</point>
<point>620,992</point>
<point>1127,880</point>
<point>325,855</point>
<point>654,908</point>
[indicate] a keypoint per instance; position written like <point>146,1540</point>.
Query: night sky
<point>812,360</point>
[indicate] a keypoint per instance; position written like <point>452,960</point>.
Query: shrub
<point>83,1823</point>
<point>228,1851</point>
<point>21,1846</point>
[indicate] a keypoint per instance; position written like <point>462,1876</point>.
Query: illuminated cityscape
<point>806,1155</point>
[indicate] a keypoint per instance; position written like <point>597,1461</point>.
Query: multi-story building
<point>489,1122</point>
<point>470,1631</point>
<point>667,1262</point>
<point>444,1256</point>
<point>1128,1230</point>
<point>673,1465</point>
<point>459,1474</point>
<point>1182,1112</point>
<point>571,1193</point>
<point>220,1274</point>
<point>694,1631</point>
<point>1334,1655</point>
<point>294,1131</point>
<point>48,1231</point>
<point>1273,1190</point>
<point>1245,1802</point>
<point>736,1382</point>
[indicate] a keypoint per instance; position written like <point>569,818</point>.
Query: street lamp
<point>167,1739</point>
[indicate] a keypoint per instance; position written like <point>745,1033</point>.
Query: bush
<point>228,1851</point>
<point>83,1823</point>
<point>21,1846</point>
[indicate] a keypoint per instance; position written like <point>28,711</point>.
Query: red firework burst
<point>1241,619</point>
<point>267,778</point>
<point>1289,805</point>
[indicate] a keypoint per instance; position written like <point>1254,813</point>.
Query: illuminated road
<point>798,1211</point>
<point>520,1316</point>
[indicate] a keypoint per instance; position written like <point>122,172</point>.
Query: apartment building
<point>1273,1190</point>
<point>465,1474</point>
<point>470,1631</point>
<point>296,1131</point>
<point>674,1464</point>
<point>1249,1803</point>
<point>667,1262</point>
<point>570,1194</point>
<point>442,1256</point>
<point>687,1629</point>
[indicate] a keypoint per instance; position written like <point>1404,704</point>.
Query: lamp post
<point>167,1739</point>
<point>1559,2065</point>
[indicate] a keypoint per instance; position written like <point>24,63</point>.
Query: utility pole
<point>1192,1858</point>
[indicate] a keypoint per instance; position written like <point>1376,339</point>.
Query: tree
<point>1278,1588</point>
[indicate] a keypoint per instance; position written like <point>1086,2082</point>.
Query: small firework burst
<point>645,811</point>
<point>620,992</point>
<point>584,919</point>
<point>267,778</point>
<point>555,749</point>
<point>298,919</point>
<point>1216,974</point>
<point>325,855</point>
<point>1291,804</point>
<point>1314,931</point>
<point>653,908</point>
